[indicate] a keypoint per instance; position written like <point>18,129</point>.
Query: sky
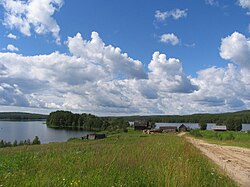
<point>125,57</point>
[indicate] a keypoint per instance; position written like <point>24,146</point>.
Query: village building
<point>166,129</point>
<point>183,128</point>
<point>95,136</point>
<point>219,128</point>
<point>142,125</point>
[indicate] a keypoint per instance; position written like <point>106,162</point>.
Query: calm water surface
<point>245,127</point>
<point>12,130</point>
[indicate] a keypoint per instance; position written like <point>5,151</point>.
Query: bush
<point>203,125</point>
<point>230,137</point>
<point>36,141</point>
<point>233,124</point>
<point>196,133</point>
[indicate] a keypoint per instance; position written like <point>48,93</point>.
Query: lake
<point>245,127</point>
<point>23,130</point>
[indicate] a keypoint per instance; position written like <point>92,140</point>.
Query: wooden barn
<point>142,125</point>
<point>95,136</point>
<point>219,128</point>
<point>183,128</point>
<point>166,129</point>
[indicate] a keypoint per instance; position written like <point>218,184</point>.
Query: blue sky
<point>196,41</point>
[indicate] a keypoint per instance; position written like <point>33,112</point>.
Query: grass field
<point>126,159</point>
<point>231,138</point>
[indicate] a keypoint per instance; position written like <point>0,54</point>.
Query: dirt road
<point>235,161</point>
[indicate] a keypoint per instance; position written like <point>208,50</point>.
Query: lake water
<point>12,130</point>
<point>245,127</point>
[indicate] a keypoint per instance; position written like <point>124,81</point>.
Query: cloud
<point>32,15</point>
<point>168,75</point>
<point>236,48</point>
<point>212,3</point>
<point>12,36</point>
<point>109,58</point>
<point>101,79</point>
<point>12,96</point>
<point>175,14</point>
<point>169,39</point>
<point>96,77</point>
<point>245,4</point>
<point>11,47</point>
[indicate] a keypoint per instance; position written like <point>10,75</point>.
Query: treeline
<point>36,141</point>
<point>89,122</point>
<point>243,116</point>
<point>20,116</point>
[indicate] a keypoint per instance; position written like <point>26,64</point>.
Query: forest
<point>67,119</point>
<point>243,116</point>
<point>21,116</point>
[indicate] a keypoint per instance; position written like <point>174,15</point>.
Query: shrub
<point>196,133</point>
<point>203,125</point>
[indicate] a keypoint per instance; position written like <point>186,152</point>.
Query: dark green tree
<point>233,124</point>
<point>36,141</point>
<point>203,125</point>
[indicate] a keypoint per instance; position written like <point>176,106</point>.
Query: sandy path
<point>235,161</point>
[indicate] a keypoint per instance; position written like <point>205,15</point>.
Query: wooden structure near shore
<point>166,129</point>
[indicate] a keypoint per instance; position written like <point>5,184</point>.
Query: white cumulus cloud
<point>236,48</point>
<point>169,39</point>
<point>12,36</point>
<point>175,14</point>
<point>11,47</point>
<point>32,14</point>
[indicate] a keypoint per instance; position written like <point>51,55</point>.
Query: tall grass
<point>241,139</point>
<point>127,159</point>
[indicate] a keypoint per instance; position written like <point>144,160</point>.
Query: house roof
<point>183,126</point>
<point>222,127</point>
<point>168,127</point>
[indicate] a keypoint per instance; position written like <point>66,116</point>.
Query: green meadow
<point>231,138</point>
<point>125,159</point>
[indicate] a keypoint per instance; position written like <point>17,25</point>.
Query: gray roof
<point>222,127</point>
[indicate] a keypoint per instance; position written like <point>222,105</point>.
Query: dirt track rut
<point>235,161</point>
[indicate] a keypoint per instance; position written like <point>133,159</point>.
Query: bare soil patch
<point>235,161</point>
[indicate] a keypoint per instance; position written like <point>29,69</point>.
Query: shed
<point>219,128</point>
<point>168,129</point>
<point>182,128</point>
<point>142,125</point>
<point>95,136</point>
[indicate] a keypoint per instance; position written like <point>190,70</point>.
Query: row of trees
<point>36,141</point>
<point>232,124</point>
<point>244,116</point>
<point>20,116</point>
<point>66,119</point>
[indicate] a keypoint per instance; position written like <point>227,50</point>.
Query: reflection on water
<point>12,130</point>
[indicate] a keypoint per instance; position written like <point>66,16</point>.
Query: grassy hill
<point>21,116</point>
<point>126,159</point>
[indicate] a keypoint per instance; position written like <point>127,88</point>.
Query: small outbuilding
<point>166,129</point>
<point>95,136</point>
<point>182,128</point>
<point>219,128</point>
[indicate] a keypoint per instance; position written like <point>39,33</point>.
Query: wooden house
<point>142,125</point>
<point>95,136</point>
<point>167,129</point>
<point>219,128</point>
<point>182,128</point>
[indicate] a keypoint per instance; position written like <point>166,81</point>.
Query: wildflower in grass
<point>212,173</point>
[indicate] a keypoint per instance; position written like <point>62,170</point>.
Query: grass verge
<point>230,138</point>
